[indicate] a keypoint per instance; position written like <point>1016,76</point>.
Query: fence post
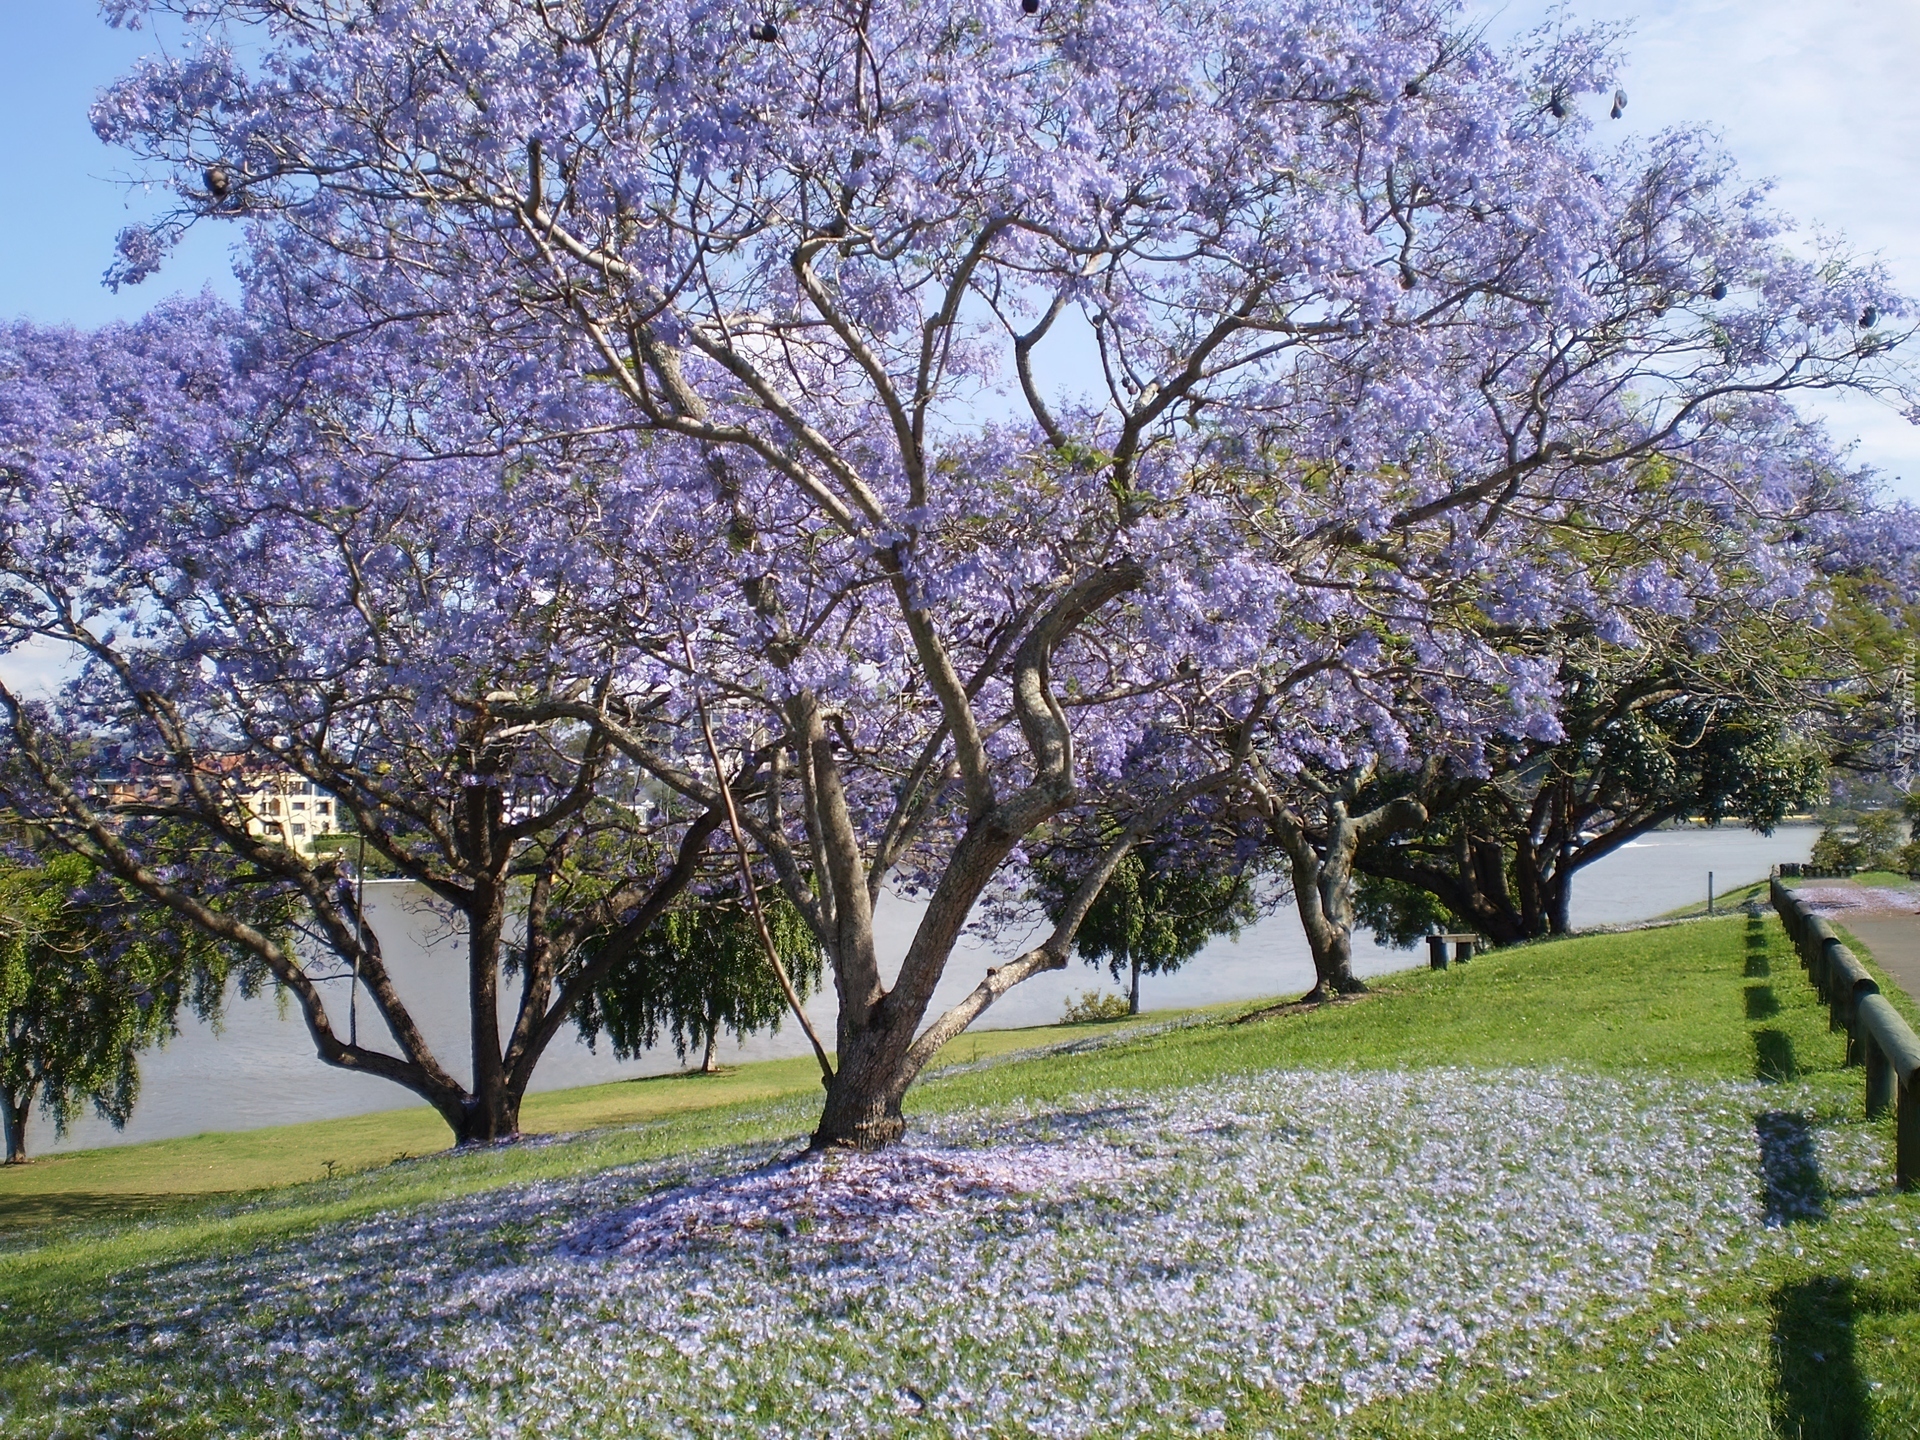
<point>1849,982</point>
<point>1783,905</point>
<point>1837,984</point>
<point>1881,1081</point>
<point>1893,1073</point>
<point>1906,1142</point>
<point>1813,952</point>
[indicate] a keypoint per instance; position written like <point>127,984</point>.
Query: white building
<point>278,805</point>
<point>288,808</point>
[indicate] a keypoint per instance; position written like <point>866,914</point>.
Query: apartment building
<point>288,808</point>
<point>277,804</point>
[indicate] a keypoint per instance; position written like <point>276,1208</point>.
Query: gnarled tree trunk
<point>1320,851</point>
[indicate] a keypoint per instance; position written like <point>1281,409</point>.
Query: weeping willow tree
<point>698,971</point>
<point>89,978</point>
<point>1154,913</point>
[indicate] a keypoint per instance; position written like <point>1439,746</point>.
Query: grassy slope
<point>1721,999</point>
<point>124,1181</point>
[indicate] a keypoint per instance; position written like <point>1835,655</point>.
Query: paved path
<point>1894,941</point>
<point>1887,923</point>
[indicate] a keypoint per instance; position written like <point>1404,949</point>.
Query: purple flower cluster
<point>975,420</point>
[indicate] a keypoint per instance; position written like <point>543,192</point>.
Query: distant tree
<point>1854,840</point>
<point>1397,913</point>
<point>88,980</point>
<point>1499,852</point>
<point>1157,911</point>
<point>1320,824</point>
<point>698,970</point>
<point>1909,857</point>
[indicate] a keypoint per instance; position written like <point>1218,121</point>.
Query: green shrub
<point>1854,840</point>
<point>1094,1006</point>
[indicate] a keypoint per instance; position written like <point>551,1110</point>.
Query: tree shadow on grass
<point>1093,1119</point>
<point>1819,1392</point>
<point>21,1216</point>
<point>1792,1188</point>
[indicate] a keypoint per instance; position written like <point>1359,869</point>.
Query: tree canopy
<point>1157,910</point>
<point>964,417</point>
<point>1733,720</point>
<point>699,970</point>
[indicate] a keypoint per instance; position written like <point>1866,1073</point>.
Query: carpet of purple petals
<point>1138,1264</point>
<point>1834,899</point>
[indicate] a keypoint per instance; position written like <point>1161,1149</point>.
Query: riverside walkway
<point>1885,920</point>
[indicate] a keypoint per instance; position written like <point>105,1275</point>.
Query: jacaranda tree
<point>1732,711</point>
<point>246,595</point>
<point>1712,694</point>
<point>986,400</point>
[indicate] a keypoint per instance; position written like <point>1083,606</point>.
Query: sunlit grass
<point>1718,1011</point>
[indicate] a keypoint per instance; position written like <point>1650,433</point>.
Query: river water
<point>259,1068</point>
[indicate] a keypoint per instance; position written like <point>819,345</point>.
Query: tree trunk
<point>13,1119</point>
<point>1529,877</point>
<point>1333,961</point>
<point>1322,863</point>
<point>479,1120</point>
<point>1133,989</point>
<point>881,1046</point>
<point>1323,894</point>
<point>707,1067</point>
<point>1477,888</point>
<point>863,1101</point>
<point>1558,896</point>
<point>491,1114</point>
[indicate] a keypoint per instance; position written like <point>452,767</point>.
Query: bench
<point>1463,948</point>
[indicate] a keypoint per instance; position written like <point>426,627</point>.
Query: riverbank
<point>1615,1185</point>
<point>259,1069</point>
<point>124,1181</point>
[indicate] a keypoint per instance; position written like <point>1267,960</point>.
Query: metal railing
<point>1877,1036</point>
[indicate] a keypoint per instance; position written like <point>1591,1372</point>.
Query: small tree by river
<point>88,980</point>
<point>1155,913</point>
<point>700,969</point>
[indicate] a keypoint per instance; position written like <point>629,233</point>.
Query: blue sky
<point>1818,94</point>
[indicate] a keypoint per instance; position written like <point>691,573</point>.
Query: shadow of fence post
<point>1819,1389</point>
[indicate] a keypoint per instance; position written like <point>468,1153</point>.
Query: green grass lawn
<point>150,1179</point>
<point>1817,1333</point>
<point>1725,902</point>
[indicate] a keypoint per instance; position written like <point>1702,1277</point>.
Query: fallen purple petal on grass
<point>1830,898</point>
<point>1297,1242</point>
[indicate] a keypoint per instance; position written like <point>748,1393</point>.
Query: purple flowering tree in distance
<point>1729,704</point>
<point>1002,394</point>
<point>245,596</point>
<point>1678,597</point>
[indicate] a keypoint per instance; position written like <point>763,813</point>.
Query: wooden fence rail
<point>1877,1037</point>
